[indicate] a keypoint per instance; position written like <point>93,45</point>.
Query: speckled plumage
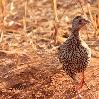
<point>74,53</point>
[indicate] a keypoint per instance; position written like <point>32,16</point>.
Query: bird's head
<point>78,22</point>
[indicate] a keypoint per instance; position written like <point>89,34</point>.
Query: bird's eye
<point>80,21</point>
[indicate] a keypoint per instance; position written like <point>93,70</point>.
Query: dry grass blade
<point>92,19</point>
<point>29,67</point>
<point>2,6</point>
<point>97,1</point>
<point>54,35</point>
<point>54,4</point>
<point>25,14</point>
<point>95,25</point>
<point>79,1</point>
<point>81,5</point>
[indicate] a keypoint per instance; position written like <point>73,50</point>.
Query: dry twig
<point>79,1</point>
<point>54,35</point>
<point>2,6</point>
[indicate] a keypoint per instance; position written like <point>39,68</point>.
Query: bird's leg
<point>82,82</point>
<point>80,85</point>
<point>77,88</point>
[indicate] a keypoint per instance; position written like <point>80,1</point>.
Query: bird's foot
<point>81,84</point>
<point>79,96</point>
<point>86,85</point>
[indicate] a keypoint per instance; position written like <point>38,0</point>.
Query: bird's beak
<point>86,21</point>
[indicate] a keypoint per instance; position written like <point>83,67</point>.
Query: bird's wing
<point>64,53</point>
<point>88,50</point>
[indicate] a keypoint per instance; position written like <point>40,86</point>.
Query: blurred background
<point>30,32</point>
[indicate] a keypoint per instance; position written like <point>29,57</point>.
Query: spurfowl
<point>74,53</point>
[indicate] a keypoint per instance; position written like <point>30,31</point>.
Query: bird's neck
<point>75,37</point>
<point>75,33</point>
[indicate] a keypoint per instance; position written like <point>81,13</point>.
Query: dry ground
<point>29,68</point>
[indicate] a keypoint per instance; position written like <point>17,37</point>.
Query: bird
<point>74,54</point>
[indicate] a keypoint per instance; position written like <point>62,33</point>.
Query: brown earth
<point>29,68</point>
